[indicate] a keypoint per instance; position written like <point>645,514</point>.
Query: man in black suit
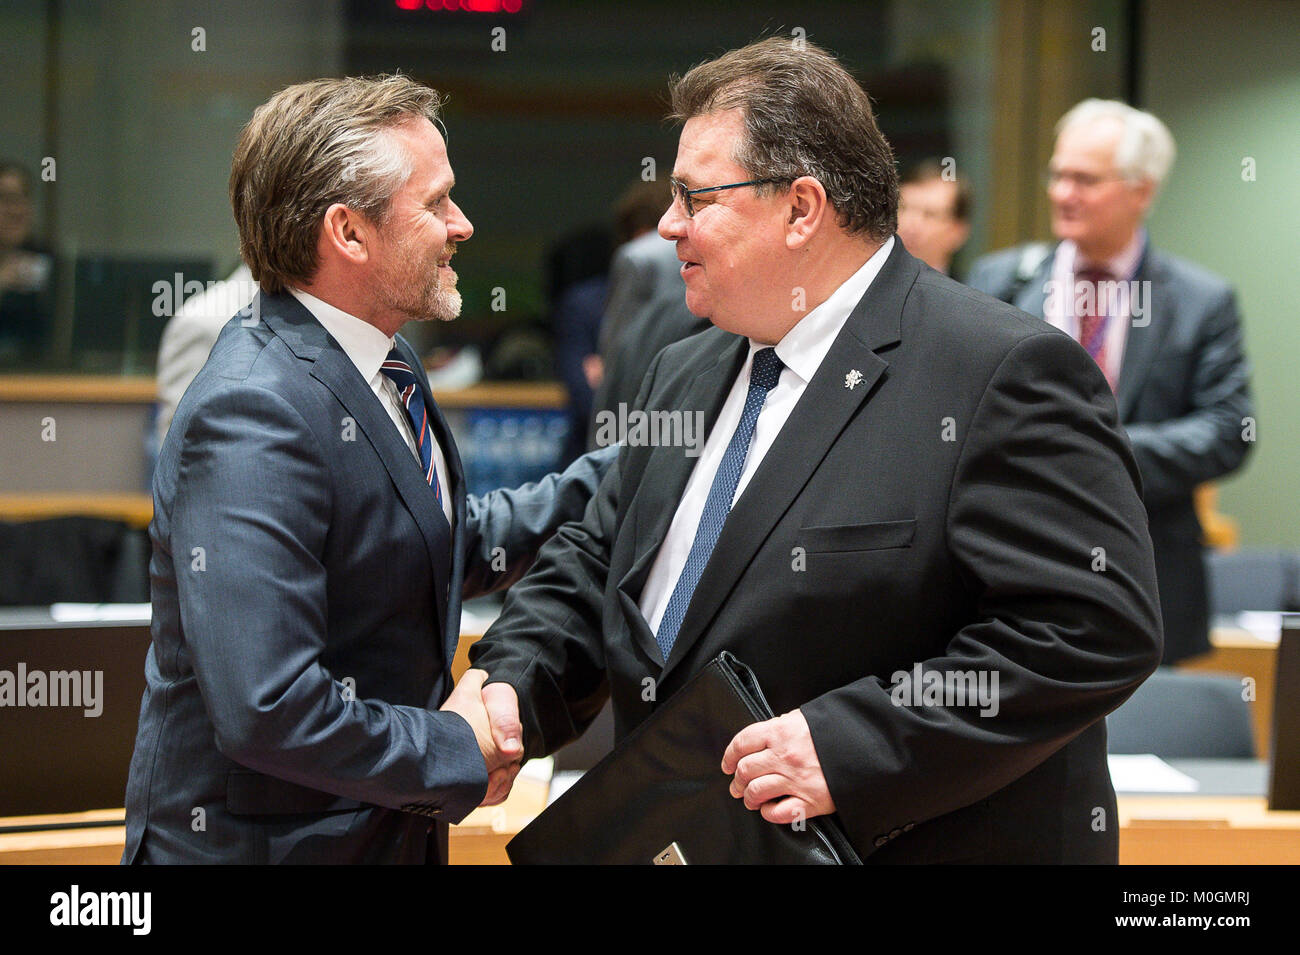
<point>1164,331</point>
<point>915,516</point>
<point>312,538</point>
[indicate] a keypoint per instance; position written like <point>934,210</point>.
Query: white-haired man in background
<point>1165,332</point>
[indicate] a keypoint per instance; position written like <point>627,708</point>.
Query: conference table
<point>1209,827</point>
<point>1226,822</point>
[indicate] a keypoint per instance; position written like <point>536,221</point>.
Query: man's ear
<point>346,234</point>
<point>808,207</point>
<point>961,232</point>
<point>1144,192</point>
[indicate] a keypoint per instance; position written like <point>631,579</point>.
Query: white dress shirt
<point>801,352</point>
<point>1059,308</point>
<point>367,347</point>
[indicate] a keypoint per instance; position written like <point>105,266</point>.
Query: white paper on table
<point>561,781</point>
<point>1265,626</point>
<point>98,613</point>
<point>476,622</point>
<point>1145,773</point>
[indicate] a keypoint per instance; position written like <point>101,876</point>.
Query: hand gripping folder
<point>661,797</point>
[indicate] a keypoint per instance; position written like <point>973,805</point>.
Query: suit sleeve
<point>248,528</point>
<point>548,642</point>
<point>1209,440</point>
<point>505,529</point>
<point>1046,529</point>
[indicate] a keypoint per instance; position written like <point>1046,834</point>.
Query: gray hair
<point>1146,147</point>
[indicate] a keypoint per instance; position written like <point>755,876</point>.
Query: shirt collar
<point>1122,265</point>
<point>364,344</point>
<point>804,346</point>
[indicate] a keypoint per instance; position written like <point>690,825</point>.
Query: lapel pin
<point>852,379</point>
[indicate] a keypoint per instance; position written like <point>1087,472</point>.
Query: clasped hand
<point>777,770</point>
<point>774,763</point>
<point>493,713</point>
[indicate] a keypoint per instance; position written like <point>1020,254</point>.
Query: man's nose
<point>672,224</point>
<point>458,226</point>
<point>1061,189</point>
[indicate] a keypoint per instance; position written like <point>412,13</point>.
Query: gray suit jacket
<point>941,512</point>
<point>306,609</point>
<point>640,271</point>
<point>1183,394</point>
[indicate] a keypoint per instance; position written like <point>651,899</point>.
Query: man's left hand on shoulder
<point>777,770</point>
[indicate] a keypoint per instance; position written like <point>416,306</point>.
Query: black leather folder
<point>661,797</point>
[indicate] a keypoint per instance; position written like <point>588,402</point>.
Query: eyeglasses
<point>680,191</point>
<point>1082,180</point>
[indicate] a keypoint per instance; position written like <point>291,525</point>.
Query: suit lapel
<point>823,411</point>
<point>1032,296</point>
<point>449,576</point>
<point>1143,341</point>
<point>669,468</point>
<point>660,489</point>
<point>332,368</point>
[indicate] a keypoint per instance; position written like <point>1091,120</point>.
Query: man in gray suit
<point>646,309</point>
<point>1164,331</point>
<point>312,539</point>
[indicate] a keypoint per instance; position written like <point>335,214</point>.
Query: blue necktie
<point>408,389</point>
<point>763,377</point>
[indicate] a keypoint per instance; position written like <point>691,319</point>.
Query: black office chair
<point>74,559</point>
<point>1252,579</point>
<point>1178,715</point>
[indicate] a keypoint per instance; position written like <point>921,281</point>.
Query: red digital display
<point>462,6</point>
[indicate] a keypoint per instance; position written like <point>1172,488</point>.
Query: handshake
<point>774,763</point>
<point>493,713</point>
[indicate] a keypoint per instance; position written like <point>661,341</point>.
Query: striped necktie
<point>412,397</point>
<point>763,376</point>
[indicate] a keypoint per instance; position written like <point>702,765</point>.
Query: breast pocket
<point>846,538</point>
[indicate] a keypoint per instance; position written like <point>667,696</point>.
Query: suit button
<point>881,841</point>
<point>895,833</point>
<point>909,827</point>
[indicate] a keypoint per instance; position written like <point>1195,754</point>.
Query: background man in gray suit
<point>645,311</point>
<point>1164,331</point>
<point>312,538</point>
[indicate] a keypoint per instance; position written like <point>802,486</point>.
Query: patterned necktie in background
<point>763,376</point>
<point>408,390</point>
<point>1093,321</point>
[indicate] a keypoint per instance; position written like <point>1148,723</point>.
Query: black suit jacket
<point>1184,399</point>
<point>306,609</point>
<point>948,510</point>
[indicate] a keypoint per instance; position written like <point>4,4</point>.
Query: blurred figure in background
<point>26,289</point>
<point>1164,331</point>
<point>646,308</point>
<point>643,264</point>
<point>189,335</point>
<point>934,208</point>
